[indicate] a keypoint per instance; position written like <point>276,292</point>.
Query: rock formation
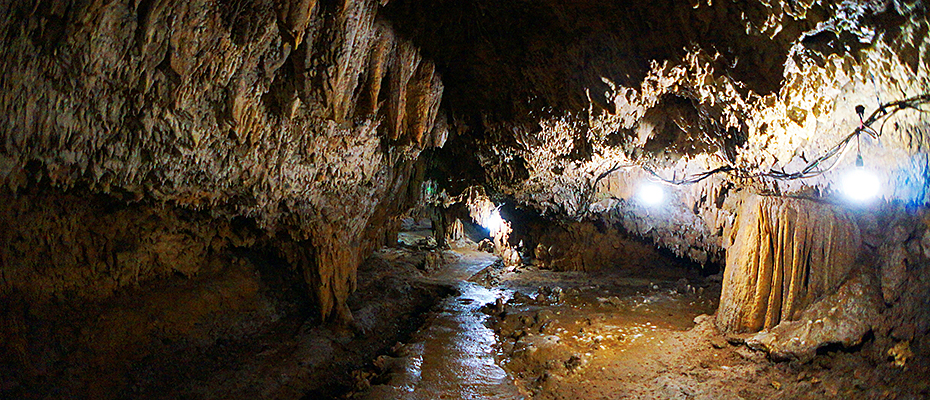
<point>843,318</point>
<point>306,117</point>
<point>786,253</point>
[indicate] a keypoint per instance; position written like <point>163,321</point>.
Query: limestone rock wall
<point>899,243</point>
<point>80,245</point>
<point>844,317</point>
<point>307,117</point>
<point>883,297</point>
<point>568,247</point>
<point>98,297</point>
<point>696,232</point>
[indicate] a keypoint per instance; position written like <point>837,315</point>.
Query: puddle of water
<point>454,355</point>
<point>458,352</point>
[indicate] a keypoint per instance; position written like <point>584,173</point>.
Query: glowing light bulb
<point>650,194</point>
<point>861,185</point>
<point>494,222</point>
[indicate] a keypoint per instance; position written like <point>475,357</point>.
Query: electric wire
<point>816,167</point>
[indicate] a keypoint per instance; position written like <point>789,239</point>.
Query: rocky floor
<point>454,324</point>
<point>647,334</point>
<point>637,333</point>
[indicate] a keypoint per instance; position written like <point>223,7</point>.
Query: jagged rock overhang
<point>307,117</point>
<point>770,88</point>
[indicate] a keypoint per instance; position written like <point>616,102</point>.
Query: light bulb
<point>494,222</point>
<point>650,194</point>
<point>861,185</point>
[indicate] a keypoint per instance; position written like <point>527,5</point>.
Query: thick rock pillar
<point>785,253</point>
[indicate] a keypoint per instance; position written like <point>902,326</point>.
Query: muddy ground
<point>434,324</point>
<point>648,334</point>
<point>640,332</point>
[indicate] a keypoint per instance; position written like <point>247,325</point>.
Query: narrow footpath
<point>454,356</point>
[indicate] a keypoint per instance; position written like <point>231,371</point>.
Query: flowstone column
<point>785,254</point>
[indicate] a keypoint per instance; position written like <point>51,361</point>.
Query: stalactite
<point>785,253</point>
<point>302,116</point>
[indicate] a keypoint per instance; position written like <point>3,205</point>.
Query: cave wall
<point>61,246</point>
<point>568,247</point>
<point>104,299</point>
<point>307,117</point>
<point>803,275</point>
<point>899,241</point>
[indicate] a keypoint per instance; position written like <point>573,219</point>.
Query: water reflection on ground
<point>454,356</point>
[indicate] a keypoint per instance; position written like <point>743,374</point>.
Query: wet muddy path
<point>454,356</point>
<point>598,335</point>
<point>508,331</point>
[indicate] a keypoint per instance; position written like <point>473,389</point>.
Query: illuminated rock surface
<point>786,253</point>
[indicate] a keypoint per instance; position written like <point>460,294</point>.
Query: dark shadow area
<point>832,348</point>
<point>530,229</point>
<point>512,58</point>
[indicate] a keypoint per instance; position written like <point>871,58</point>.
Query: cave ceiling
<point>551,95</point>
<point>512,58</point>
<point>318,120</point>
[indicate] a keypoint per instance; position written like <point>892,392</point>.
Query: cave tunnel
<point>471,199</point>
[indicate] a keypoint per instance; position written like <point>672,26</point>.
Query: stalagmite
<point>785,254</point>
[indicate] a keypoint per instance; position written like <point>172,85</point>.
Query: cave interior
<point>470,199</point>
